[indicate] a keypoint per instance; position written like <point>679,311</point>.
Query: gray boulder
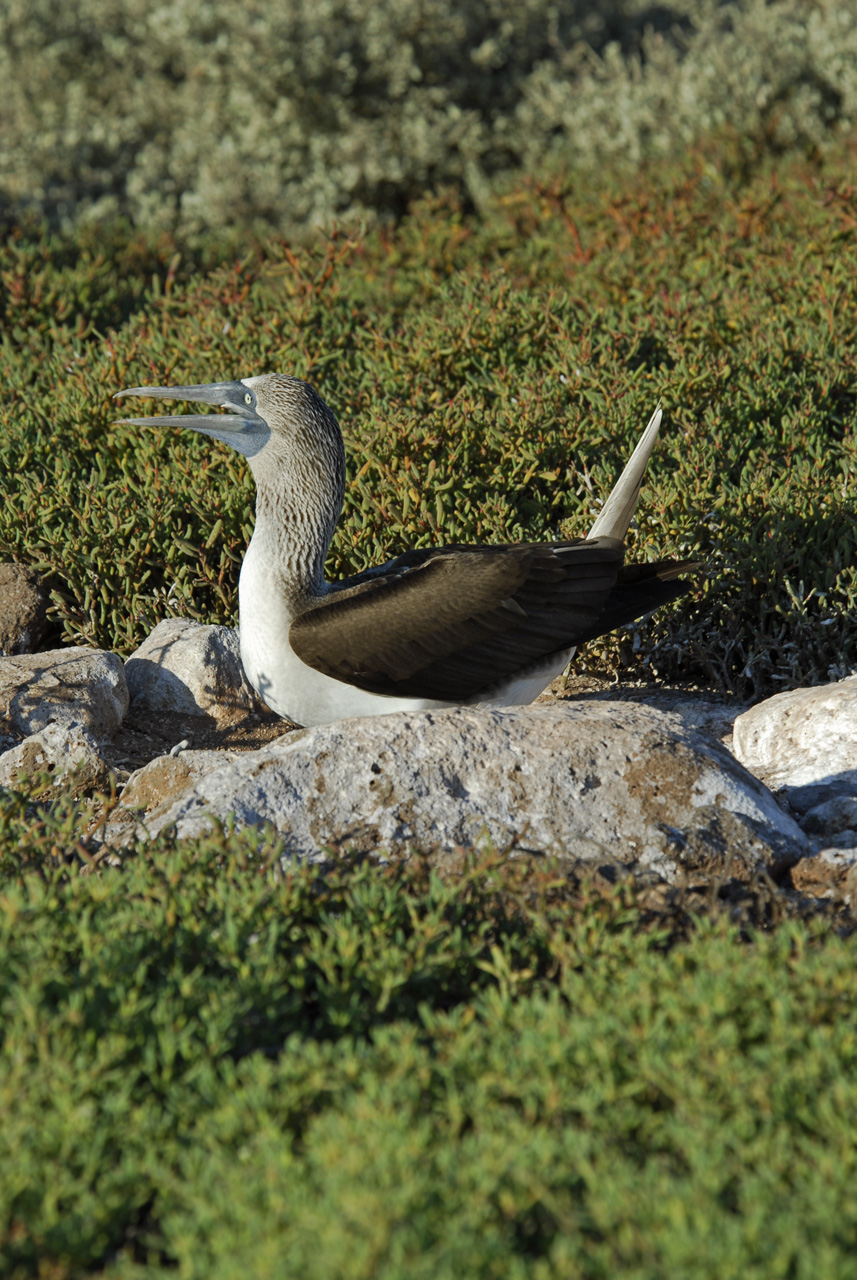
<point>64,687</point>
<point>832,817</point>
<point>157,785</point>
<point>167,777</point>
<point>612,784</point>
<point>192,669</point>
<point>803,744</point>
<point>66,752</point>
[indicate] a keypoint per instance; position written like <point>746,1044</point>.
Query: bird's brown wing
<point>448,623</point>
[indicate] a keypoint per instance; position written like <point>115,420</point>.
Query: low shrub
<point>491,376</point>
<point>212,1068</point>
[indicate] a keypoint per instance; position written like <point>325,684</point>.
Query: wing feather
<point>458,619</point>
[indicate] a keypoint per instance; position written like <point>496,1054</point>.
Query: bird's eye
<point>248,398</point>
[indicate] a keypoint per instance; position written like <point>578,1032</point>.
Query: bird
<point>476,625</point>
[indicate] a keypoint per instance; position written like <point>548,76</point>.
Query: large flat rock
<point>612,784</point>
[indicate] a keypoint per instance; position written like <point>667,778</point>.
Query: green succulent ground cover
<point>490,377</point>
<point>210,1069</point>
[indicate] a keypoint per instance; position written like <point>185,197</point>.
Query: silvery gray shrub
<point>200,114</point>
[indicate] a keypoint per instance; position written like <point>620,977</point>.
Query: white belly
<point>521,690</point>
<point>308,697</point>
<point>282,680</point>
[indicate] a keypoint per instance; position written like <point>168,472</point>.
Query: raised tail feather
<point>616,515</point>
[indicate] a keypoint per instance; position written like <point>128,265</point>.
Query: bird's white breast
<point>288,685</point>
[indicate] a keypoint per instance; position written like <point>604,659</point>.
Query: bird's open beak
<point>246,431</point>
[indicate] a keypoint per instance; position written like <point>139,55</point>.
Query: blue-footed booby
<point>486,626</point>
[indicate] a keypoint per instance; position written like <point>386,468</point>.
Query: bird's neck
<point>290,540</point>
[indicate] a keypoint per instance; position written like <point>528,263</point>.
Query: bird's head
<point>273,420</point>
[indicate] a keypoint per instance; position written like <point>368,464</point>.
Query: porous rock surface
<point>190,668</point>
<point>803,744</point>
<point>158,784</point>
<point>64,687</point>
<point>713,717</point>
<point>65,751</point>
<point>831,873</point>
<point>166,778</point>
<point>23,609</point>
<point>611,784</point>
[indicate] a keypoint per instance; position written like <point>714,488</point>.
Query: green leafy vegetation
<point>214,1069</point>
<point>491,376</point>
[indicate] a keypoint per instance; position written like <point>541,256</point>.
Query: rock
<point>186,667</point>
<point>168,777</point>
<point>23,609</point>
<point>64,751</point>
<point>713,717</point>
<point>831,817</point>
<point>841,841</point>
<point>64,686</point>
<point>611,784</point>
<point>832,873</point>
<point>157,785</point>
<point>803,744</point>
